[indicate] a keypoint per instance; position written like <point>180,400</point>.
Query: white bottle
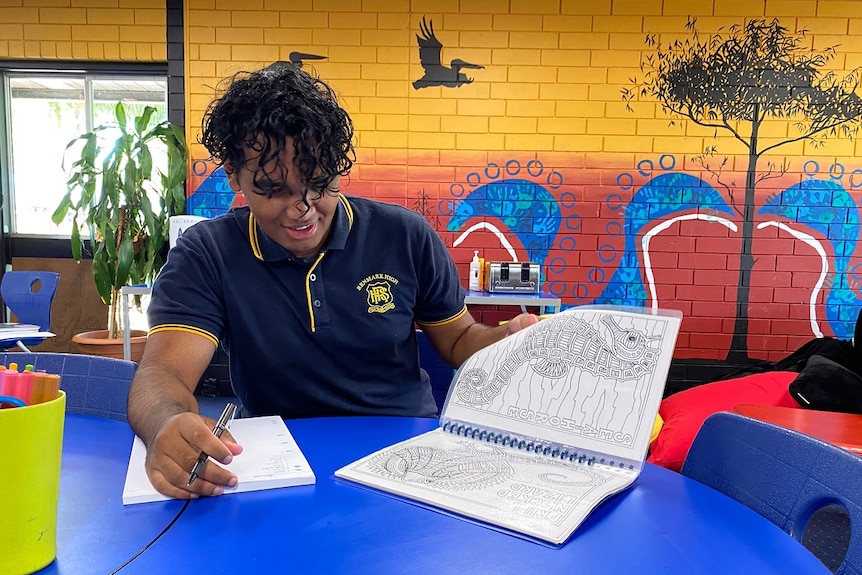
<point>474,272</point>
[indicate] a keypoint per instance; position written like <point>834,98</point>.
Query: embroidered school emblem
<point>379,297</point>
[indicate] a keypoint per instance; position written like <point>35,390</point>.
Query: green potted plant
<point>124,200</point>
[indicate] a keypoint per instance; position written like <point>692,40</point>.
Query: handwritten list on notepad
<point>270,459</point>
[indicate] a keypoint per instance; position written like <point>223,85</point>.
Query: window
<point>44,111</point>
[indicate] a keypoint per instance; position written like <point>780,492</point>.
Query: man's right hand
<point>174,450</point>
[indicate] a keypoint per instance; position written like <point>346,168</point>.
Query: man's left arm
<point>459,339</point>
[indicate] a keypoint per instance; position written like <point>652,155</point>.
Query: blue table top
<point>666,523</point>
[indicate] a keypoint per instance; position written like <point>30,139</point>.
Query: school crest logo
<point>379,296</point>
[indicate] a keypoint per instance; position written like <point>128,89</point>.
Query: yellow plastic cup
<point>31,443</point>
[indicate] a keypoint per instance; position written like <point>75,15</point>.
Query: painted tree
<point>735,81</point>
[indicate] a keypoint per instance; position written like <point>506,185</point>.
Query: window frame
<point>50,246</point>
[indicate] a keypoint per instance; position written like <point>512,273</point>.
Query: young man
<point>314,294</point>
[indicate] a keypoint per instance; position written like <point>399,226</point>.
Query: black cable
<point>151,543</point>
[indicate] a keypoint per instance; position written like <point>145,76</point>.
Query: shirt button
<point>317,303</point>
<point>312,277</point>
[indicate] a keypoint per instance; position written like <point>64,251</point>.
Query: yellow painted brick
<point>214,52</point>
<point>142,4</point>
<point>386,5</point>
<point>50,32</point>
<point>435,107</point>
<point>431,141</point>
<point>511,125</point>
<point>144,52</point>
<point>670,28</point>
<point>231,5</point>
<point>154,34</point>
<point>62,16</point>
<point>617,110</point>
<point>464,125</point>
<point>611,126</point>
<point>391,55</point>
<point>32,49</point>
<point>235,36</point>
<point>686,7</point>
<point>253,18</point>
<point>209,18</point>
<point>392,122</point>
<point>611,58</point>
<point>578,143</point>
<point>391,89</point>
<point>527,74</point>
<point>738,8</point>
<point>627,41</point>
<point>11,32</point>
<point>821,25</point>
<point>387,21</point>
<point>677,145</point>
<point>151,17</point>
<point>654,127</point>
<point>48,49</point>
<point>93,3</point>
<point>424,123</point>
<point>434,6</point>
<point>354,87</point>
<point>336,37</point>
<point>362,122</point>
<point>604,93</point>
<point>636,7</point>
<point>845,44</point>
<point>299,5</point>
<point>96,33</point>
<point>382,139</point>
<point>622,144</point>
<point>584,41</point>
<point>534,109</point>
<point>383,105</point>
<point>582,75</point>
<point>96,51</point>
<point>200,35</point>
<point>384,71</point>
<point>160,52</point>
<point>110,16</point>
<point>563,92</point>
<point>581,109</point>
<point>513,91</point>
<point>16,49</point>
<point>353,20</point>
<point>508,22</point>
<point>565,58</point>
<point>484,108</point>
<point>566,24</point>
<point>463,21</point>
<point>495,39</point>
<point>337,5</point>
<point>386,38</point>
<point>591,8</point>
<point>534,6</point>
<point>618,23</point>
<point>293,39</point>
<point>260,53</point>
<point>622,76</point>
<point>479,141</point>
<point>786,8</point>
<point>509,56</point>
<point>529,142</point>
<point>201,68</point>
<point>303,20</point>
<point>4,49</point>
<point>837,8</point>
<point>562,126</point>
<point>127,51</point>
<point>19,15</point>
<point>484,7</point>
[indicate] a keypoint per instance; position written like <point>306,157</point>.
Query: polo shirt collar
<point>266,249</point>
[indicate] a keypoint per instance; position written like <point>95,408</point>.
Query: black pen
<point>220,426</point>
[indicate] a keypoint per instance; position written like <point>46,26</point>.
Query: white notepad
<point>270,458</point>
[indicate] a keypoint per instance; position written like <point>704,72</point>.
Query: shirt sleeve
<point>441,296</point>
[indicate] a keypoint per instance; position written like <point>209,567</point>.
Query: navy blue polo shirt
<point>332,336</point>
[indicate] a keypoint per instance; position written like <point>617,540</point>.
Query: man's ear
<point>232,179</point>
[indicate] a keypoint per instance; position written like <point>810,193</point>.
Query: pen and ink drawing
<point>585,373</point>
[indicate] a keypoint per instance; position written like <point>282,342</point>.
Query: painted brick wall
<point>100,30</point>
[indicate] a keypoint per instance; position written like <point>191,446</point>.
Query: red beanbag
<point>685,411</point>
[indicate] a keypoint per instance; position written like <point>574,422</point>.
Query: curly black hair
<point>260,109</point>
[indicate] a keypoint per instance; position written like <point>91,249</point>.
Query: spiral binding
<point>522,444</point>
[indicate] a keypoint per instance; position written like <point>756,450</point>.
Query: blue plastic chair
<point>439,372</point>
<point>796,481</point>
<point>97,386</point>
<point>29,295</point>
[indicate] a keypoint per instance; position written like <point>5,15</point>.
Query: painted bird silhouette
<point>297,58</point>
<point>429,56</point>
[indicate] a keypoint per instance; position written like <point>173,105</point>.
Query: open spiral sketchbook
<point>539,428</point>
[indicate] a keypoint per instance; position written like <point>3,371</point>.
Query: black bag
<point>826,385</point>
